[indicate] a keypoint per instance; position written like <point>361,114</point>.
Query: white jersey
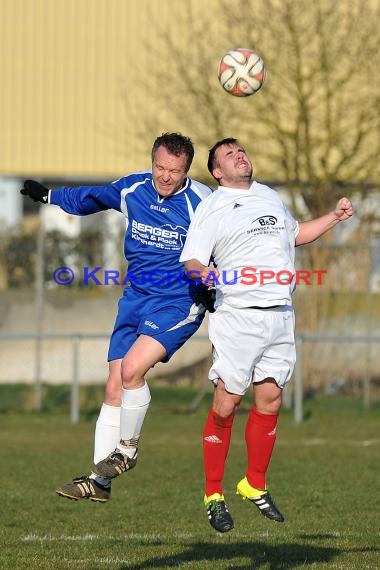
<point>250,236</point>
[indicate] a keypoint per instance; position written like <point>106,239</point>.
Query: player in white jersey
<point>245,230</point>
<point>159,309</point>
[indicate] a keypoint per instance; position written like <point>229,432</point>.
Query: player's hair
<point>211,163</point>
<point>176,144</point>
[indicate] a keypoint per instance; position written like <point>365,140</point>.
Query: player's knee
<point>130,376</point>
<point>274,409</point>
<point>224,408</point>
<point>113,391</point>
<point>269,407</point>
<point>224,420</point>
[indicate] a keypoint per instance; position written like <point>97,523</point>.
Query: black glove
<point>36,191</point>
<point>206,297</point>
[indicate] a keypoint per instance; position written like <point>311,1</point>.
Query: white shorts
<point>250,345</point>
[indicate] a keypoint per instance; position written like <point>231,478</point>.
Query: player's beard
<point>245,177</point>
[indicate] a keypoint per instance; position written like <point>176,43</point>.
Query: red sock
<point>260,437</point>
<point>216,442</point>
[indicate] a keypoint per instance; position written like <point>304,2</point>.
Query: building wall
<point>65,66</point>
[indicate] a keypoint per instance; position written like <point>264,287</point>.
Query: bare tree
<point>315,124</point>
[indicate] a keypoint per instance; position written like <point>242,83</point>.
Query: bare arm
<point>313,229</point>
<point>196,271</point>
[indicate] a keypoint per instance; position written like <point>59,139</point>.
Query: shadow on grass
<point>260,554</point>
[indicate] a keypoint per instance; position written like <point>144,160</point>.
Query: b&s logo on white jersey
<point>266,225</point>
<point>164,237</point>
<point>266,221</point>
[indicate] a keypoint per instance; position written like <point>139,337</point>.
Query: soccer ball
<point>241,72</point>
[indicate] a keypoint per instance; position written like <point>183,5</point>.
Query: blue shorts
<point>170,320</point>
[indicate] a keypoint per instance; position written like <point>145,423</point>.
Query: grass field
<point>324,476</point>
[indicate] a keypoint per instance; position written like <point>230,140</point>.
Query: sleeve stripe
<point>201,190</point>
<point>125,192</point>
<point>190,207</point>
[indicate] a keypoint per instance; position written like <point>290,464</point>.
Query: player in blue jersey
<point>160,308</point>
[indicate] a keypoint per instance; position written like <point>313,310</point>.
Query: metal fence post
<point>39,309</point>
<point>298,387</point>
<point>37,403</point>
<point>74,403</point>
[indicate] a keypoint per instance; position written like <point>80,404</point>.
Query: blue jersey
<point>156,227</point>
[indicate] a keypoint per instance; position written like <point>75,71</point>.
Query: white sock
<point>107,432</point>
<point>134,406</point>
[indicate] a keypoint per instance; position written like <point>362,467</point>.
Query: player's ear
<point>217,173</point>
